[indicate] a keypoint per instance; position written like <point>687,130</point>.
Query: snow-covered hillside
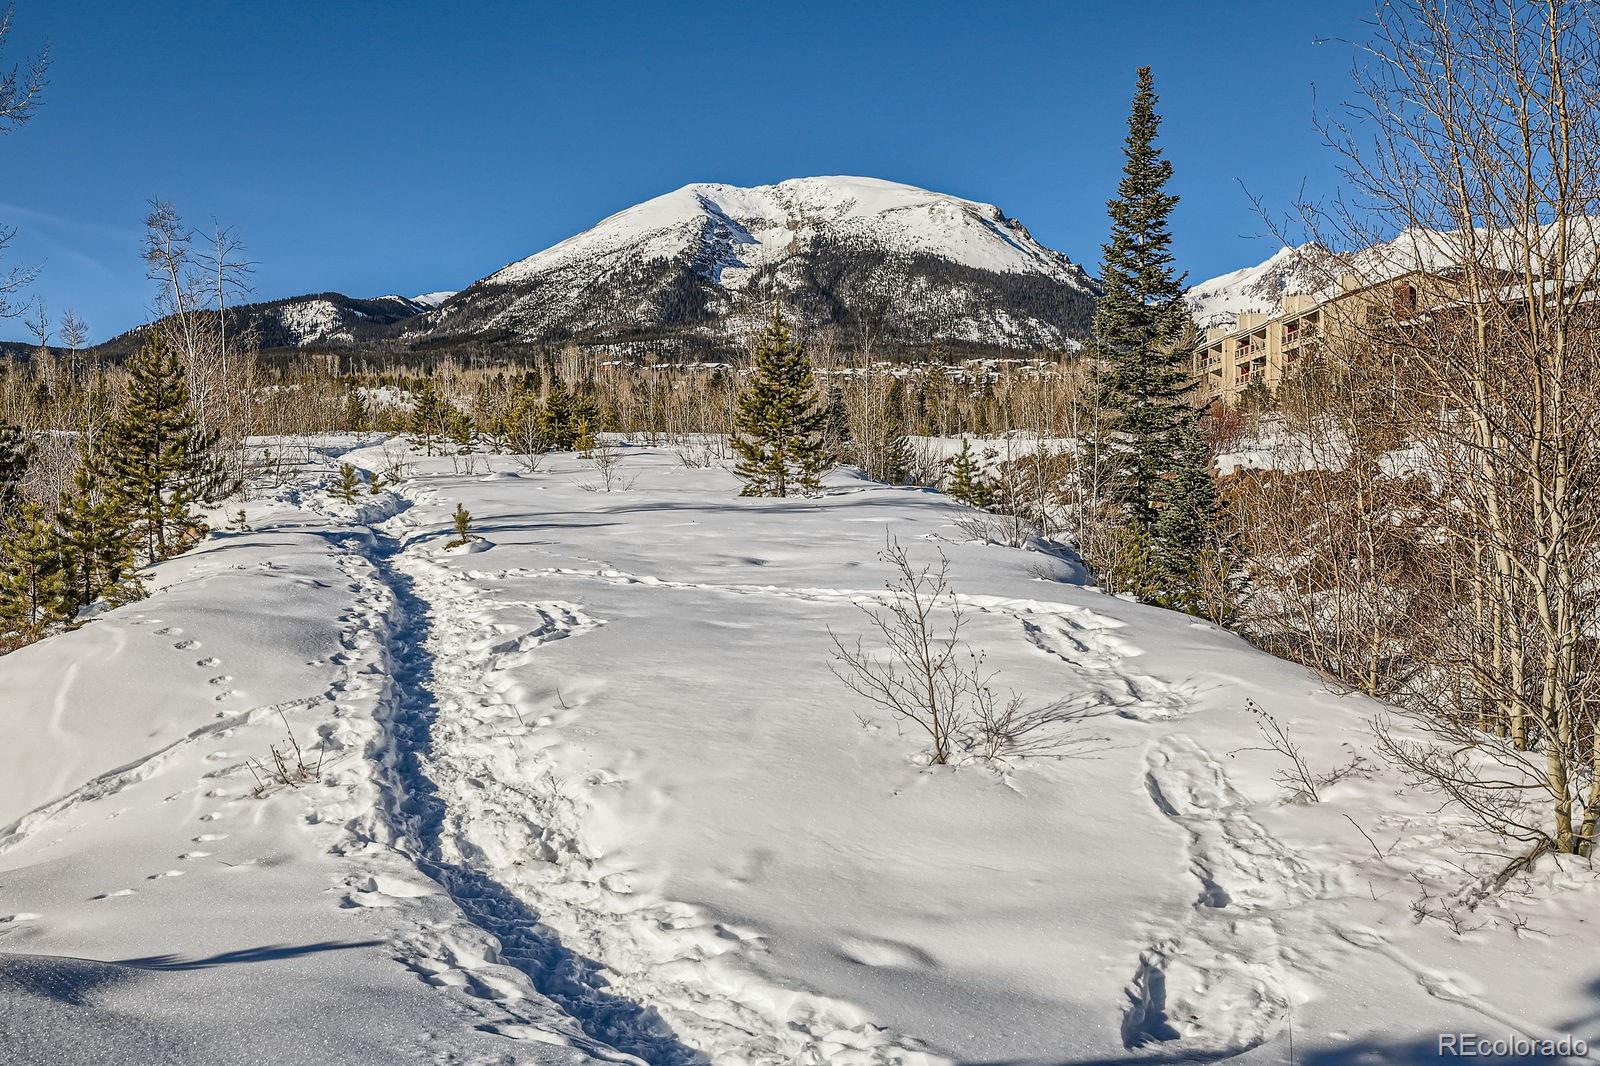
<point>586,790</point>
<point>706,260</point>
<point>1288,271</point>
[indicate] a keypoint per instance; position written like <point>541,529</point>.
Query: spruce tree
<point>889,456</point>
<point>463,434</point>
<point>1187,522</point>
<point>15,451</point>
<point>33,591</point>
<point>1159,465</point>
<point>967,483</point>
<point>1140,321</point>
<point>98,542</point>
<point>348,487</point>
<point>429,414</point>
<point>779,429</point>
<point>158,463</point>
<point>836,426</point>
<point>556,422</point>
<point>357,417</point>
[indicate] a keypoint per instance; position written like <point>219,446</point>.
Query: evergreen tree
<point>15,451</point>
<point>158,463</point>
<point>1187,523</point>
<point>556,421</point>
<point>33,591</point>
<point>429,412</point>
<point>1140,321</point>
<point>98,542</point>
<point>348,487</point>
<point>463,524</point>
<point>836,426</point>
<point>967,482</point>
<point>893,453</point>
<point>463,435</point>
<point>356,415</point>
<point>779,429</point>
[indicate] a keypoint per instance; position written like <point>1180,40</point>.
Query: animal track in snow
<point>1219,983</point>
<point>185,645</point>
<point>209,661</point>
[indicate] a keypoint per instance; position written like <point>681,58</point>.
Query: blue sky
<point>402,146</point>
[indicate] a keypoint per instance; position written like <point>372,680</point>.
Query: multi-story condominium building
<point>1265,348</point>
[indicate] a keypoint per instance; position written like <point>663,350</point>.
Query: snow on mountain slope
<point>587,790</point>
<point>706,260</point>
<point>758,226</point>
<point>1288,271</point>
<point>431,300</point>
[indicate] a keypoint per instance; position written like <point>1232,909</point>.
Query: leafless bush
<point>925,674</point>
<point>1010,530</point>
<point>284,766</point>
<point>606,458</point>
<point>697,452</point>
<point>1297,778</point>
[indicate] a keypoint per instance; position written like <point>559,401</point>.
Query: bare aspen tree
<point>1474,159</point>
<point>20,89</point>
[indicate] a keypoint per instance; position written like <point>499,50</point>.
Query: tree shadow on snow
<point>572,981</point>
<point>265,953</point>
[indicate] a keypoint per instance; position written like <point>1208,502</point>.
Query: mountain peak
<point>868,256</point>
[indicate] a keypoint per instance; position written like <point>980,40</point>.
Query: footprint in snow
<point>206,838</point>
<point>20,916</point>
<point>169,631</point>
<point>189,855</point>
<point>164,873</point>
<point>114,895</point>
<point>228,695</point>
<point>185,645</point>
<point>209,661</point>
<point>221,679</point>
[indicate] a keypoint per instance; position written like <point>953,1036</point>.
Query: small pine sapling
<point>348,487</point>
<point>464,535</point>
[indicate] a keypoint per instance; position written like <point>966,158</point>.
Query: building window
<point>1405,299</point>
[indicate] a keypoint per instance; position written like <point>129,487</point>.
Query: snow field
<point>588,791</point>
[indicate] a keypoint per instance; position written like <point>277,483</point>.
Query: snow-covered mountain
<point>1289,271</point>
<point>701,266</point>
<point>330,317</point>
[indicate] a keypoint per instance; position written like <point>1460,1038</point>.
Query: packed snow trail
<point>1219,983</point>
<point>472,797</point>
<point>419,686</point>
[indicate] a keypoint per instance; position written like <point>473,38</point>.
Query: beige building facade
<point>1266,348</point>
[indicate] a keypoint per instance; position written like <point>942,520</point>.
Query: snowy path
<point>1218,983</point>
<point>472,799</point>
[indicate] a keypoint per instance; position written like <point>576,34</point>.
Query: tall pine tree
<point>158,464</point>
<point>1140,321</point>
<point>780,429</point>
<point>1159,465</point>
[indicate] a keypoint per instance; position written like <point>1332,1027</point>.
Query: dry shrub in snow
<point>921,671</point>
